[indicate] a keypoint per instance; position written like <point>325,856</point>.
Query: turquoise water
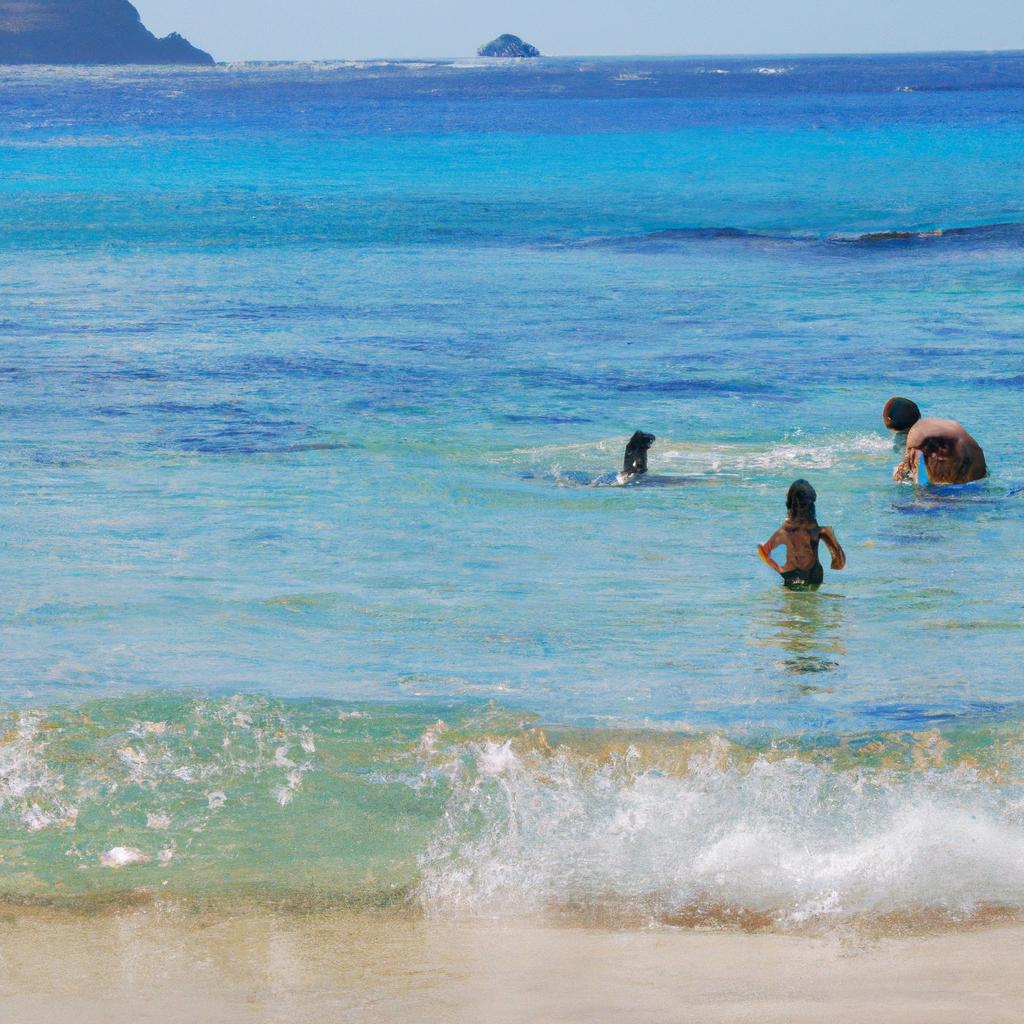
<point>313,380</point>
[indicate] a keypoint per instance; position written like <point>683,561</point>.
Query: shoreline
<point>403,906</point>
<point>164,965</point>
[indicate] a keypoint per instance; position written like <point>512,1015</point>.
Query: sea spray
<point>471,808</point>
<point>788,841</point>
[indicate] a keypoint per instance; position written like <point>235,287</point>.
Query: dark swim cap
<point>900,413</point>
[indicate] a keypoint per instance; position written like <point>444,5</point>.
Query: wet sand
<point>152,965</point>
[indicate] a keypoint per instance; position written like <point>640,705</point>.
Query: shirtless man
<point>947,453</point>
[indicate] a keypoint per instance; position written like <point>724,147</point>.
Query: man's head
<point>635,461</point>
<point>900,414</point>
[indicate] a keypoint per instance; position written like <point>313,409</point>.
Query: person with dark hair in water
<point>937,451</point>
<point>899,415</point>
<point>634,462</point>
<point>800,534</point>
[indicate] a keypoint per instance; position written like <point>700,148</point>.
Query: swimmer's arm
<point>905,470</point>
<point>838,554</point>
<point>765,550</point>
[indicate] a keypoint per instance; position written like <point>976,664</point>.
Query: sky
<point>325,29</point>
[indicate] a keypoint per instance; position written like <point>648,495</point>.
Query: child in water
<point>800,533</point>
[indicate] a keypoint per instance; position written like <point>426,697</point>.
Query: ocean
<point>319,591</point>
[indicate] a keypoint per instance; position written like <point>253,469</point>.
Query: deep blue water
<point>310,375</point>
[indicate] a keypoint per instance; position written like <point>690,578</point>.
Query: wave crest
<point>779,843</point>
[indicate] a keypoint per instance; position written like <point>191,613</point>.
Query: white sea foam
<point>150,763</point>
<point>122,857</point>
<point>35,818</point>
<point>29,788</point>
<point>286,793</point>
<point>428,741</point>
<point>821,453</point>
<point>792,840</point>
<point>286,67</point>
<point>143,729</point>
<point>135,762</point>
<point>563,463</point>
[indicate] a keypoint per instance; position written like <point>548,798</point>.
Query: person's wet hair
<point>635,459</point>
<point>800,501</point>
<point>900,414</point>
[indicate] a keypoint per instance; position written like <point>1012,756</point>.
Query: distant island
<point>86,32</point>
<point>508,46</point>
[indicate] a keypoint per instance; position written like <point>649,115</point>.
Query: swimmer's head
<point>635,460</point>
<point>900,414</point>
<point>800,501</point>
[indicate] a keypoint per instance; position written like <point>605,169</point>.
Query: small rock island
<point>508,46</point>
<point>86,32</point>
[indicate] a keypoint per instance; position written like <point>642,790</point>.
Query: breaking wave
<point>473,809</point>
<point>772,843</point>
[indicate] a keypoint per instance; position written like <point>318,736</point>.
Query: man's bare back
<point>951,455</point>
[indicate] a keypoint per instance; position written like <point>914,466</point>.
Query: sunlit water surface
<point>314,380</point>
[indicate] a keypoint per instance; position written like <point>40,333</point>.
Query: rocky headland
<point>86,32</point>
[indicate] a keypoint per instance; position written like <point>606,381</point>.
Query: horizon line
<point>792,54</point>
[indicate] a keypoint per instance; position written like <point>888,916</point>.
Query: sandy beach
<point>145,965</point>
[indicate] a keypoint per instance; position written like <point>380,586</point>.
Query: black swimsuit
<point>804,577</point>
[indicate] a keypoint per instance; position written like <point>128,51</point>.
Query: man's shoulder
<point>933,426</point>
